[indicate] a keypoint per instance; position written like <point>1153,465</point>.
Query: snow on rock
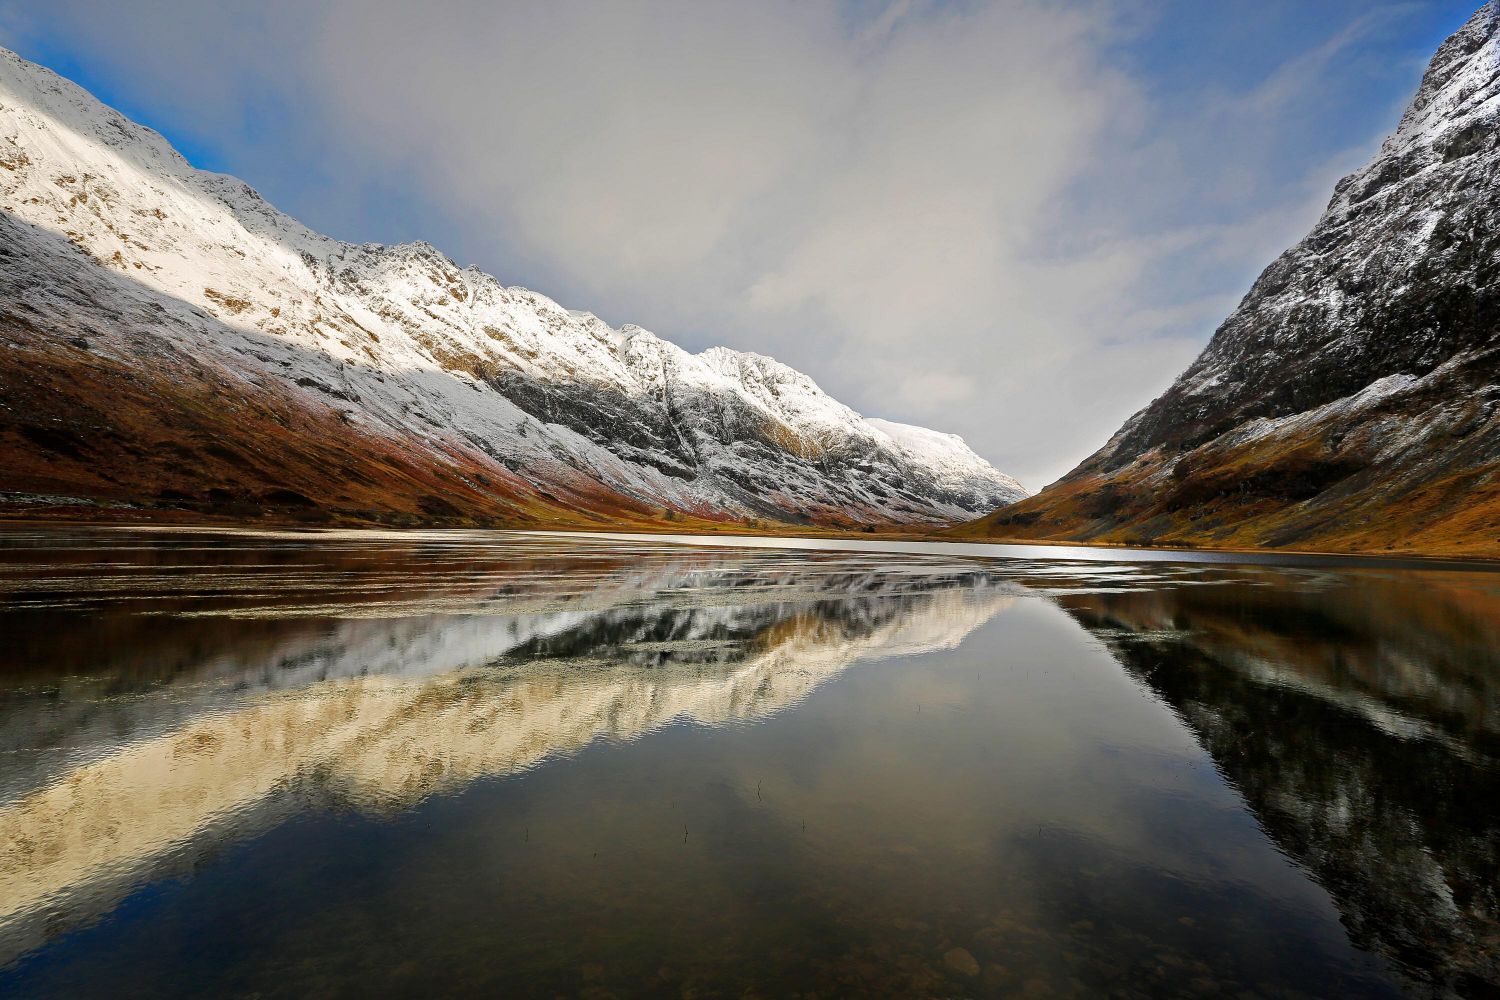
<point>954,462</point>
<point>404,342</point>
<point>1351,397</point>
<point>1392,280</point>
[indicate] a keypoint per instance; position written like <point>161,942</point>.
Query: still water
<point>479,763</point>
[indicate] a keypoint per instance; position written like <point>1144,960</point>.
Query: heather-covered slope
<point>166,336</point>
<point>1350,401</point>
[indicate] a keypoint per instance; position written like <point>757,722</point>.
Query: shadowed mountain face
<point>479,761</point>
<point>1361,723</point>
<point>1349,402</point>
<point>166,337</point>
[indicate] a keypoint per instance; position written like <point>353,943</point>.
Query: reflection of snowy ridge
<point>405,345</point>
<point>1359,724</point>
<point>463,616</point>
<point>1391,685</point>
<point>388,741</point>
<point>410,639</point>
<point>1372,709</point>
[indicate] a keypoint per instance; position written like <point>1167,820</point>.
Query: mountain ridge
<point>498,402</point>
<point>1352,399</point>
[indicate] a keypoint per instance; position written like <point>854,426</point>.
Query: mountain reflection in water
<point>1359,716</point>
<point>200,729</point>
<point>165,696</point>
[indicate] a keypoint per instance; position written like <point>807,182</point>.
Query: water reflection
<point>1006,811</point>
<point>1359,716</point>
<point>174,732</point>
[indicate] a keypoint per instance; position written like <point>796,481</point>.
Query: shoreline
<point>787,537</point>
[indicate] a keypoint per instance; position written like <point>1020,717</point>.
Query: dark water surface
<point>472,763</point>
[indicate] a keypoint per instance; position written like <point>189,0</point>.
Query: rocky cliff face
<point>1350,401</point>
<point>167,336</point>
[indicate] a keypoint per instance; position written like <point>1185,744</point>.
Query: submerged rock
<point>960,961</point>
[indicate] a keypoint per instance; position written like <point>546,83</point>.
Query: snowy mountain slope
<point>1350,401</point>
<point>123,263</point>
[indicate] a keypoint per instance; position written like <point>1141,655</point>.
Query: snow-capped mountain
<point>168,335</point>
<point>1352,400</point>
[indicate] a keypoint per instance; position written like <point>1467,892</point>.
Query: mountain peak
<point>1461,83</point>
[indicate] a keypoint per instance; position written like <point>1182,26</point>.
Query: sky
<point>1014,220</point>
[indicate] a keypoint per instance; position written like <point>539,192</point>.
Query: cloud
<point>873,202</point>
<point>628,141</point>
<point>977,216</point>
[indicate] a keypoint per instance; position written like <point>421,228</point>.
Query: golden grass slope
<point>1415,470</point>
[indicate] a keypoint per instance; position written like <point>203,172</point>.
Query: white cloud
<point>869,202</point>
